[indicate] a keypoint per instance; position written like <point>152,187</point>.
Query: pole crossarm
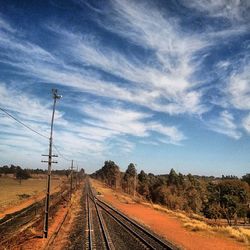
<point>51,161</point>
<point>51,155</point>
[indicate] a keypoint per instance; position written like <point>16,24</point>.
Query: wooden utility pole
<point>135,181</point>
<point>71,179</point>
<point>46,212</point>
<point>77,180</point>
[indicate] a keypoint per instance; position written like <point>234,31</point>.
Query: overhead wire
<point>56,148</point>
<point>28,127</point>
<point>33,130</point>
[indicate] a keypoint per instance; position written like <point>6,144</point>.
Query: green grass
<point>12,193</point>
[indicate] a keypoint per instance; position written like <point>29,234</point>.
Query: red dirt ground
<point>26,203</point>
<point>169,227</point>
<point>61,240</point>
<point>35,243</point>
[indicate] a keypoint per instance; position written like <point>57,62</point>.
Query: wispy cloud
<point>164,83</point>
<point>5,25</point>
<point>231,10</point>
<point>168,79</point>
<point>98,129</point>
<point>148,84</point>
<point>130,122</point>
<point>225,124</point>
<point>239,88</point>
<point>173,51</point>
<point>171,133</point>
<point>246,123</point>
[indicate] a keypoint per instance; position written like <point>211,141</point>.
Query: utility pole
<point>135,177</point>
<point>77,179</point>
<point>46,212</point>
<point>134,186</point>
<point>71,179</point>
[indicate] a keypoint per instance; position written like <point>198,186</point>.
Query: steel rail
<point>100,219</point>
<point>166,245</point>
<point>128,228</point>
<point>101,222</point>
<point>89,224</point>
<point>148,245</point>
<point>114,213</point>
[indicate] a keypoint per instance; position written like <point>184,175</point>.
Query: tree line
<point>24,173</point>
<point>17,171</point>
<point>12,169</point>
<point>215,198</point>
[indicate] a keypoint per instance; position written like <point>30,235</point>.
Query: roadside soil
<point>61,240</point>
<point>27,202</point>
<point>165,224</point>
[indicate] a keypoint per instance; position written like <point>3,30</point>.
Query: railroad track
<point>98,236</point>
<point>122,232</point>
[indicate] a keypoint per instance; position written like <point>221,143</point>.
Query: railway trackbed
<point>108,228</point>
<point>98,235</point>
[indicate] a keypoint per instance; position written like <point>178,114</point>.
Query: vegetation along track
<point>124,232</point>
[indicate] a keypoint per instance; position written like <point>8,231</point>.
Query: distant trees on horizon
<point>22,174</point>
<point>17,171</point>
<point>226,197</point>
<point>12,169</point>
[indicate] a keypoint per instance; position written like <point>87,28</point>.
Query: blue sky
<point>159,83</point>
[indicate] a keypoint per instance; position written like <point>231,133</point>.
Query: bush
<point>22,174</point>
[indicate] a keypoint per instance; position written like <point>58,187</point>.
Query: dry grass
<point>12,193</point>
<point>246,232</point>
<point>197,223</point>
<point>240,234</point>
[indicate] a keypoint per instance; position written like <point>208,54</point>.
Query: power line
<point>56,148</point>
<point>26,126</point>
<point>33,130</point>
<point>79,161</point>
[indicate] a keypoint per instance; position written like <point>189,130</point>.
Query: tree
<point>142,177</point>
<point>109,173</point>
<point>143,184</point>
<point>226,198</point>
<point>155,183</point>
<point>231,196</point>
<point>113,174</point>
<point>130,179</point>
<point>22,174</point>
<point>212,211</point>
<point>248,214</point>
<point>173,178</point>
<point>5,169</point>
<point>194,200</point>
<point>246,178</point>
<point>13,169</point>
